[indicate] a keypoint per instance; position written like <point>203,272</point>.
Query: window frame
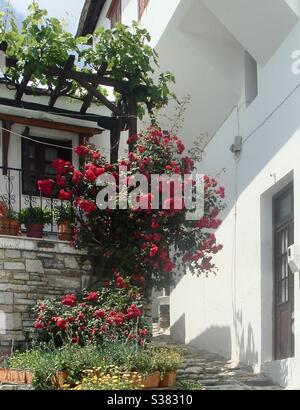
<point>40,159</point>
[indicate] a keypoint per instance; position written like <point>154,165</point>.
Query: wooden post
<point>115,136</point>
<point>5,144</point>
<point>132,108</point>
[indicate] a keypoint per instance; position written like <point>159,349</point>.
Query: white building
<point>234,57</point>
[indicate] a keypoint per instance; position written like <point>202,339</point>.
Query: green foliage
<point>65,212</point>
<point>45,361</point>
<point>35,215</point>
<point>11,214</point>
<point>43,42</point>
<point>167,359</point>
<point>129,56</point>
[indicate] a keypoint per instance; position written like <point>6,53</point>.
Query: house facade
<point>238,60</point>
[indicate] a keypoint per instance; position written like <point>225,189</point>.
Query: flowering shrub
<point>148,244</point>
<point>112,314</point>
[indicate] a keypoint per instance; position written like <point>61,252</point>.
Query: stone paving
<point>216,373</point>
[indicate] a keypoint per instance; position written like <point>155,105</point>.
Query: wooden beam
<point>50,125</point>
<point>5,143</point>
<point>102,120</point>
<point>100,97</point>
<point>119,85</point>
<point>22,87</point>
<point>89,98</point>
<point>61,81</point>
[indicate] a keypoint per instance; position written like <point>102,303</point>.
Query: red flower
<point>92,296</point>
<point>154,225</point>
<point>64,195</point>
<point>61,181</point>
<point>221,192</point>
<point>77,177</point>
<point>120,282</point>
<point>46,187</point>
<point>153,251</point>
<point>103,329</point>
<point>75,340</point>
<point>180,147</point>
<point>96,155</point>
<point>82,150</point>
<point>131,157</point>
<point>169,266</point>
<point>69,300</point>
<point>132,140</point>
<point>141,149</point>
<point>39,325</point>
<point>133,311</point>
<point>80,317</point>
<point>99,314</point>
<point>62,324</point>
<point>60,166</point>
<point>88,206</point>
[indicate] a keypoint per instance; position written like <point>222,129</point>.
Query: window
<point>114,13</point>
<point>142,4</point>
<point>37,159</point>
<point>251,82</point>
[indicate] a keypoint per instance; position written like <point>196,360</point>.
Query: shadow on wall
<point>215,340</point>
<point>246,351</point>
<point>218,339</point>
<point>178,330</point>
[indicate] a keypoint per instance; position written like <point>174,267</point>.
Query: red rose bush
<point>148,245</point>
<point>114,313</point>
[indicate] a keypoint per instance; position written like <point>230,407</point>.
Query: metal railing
<point>18,190</point>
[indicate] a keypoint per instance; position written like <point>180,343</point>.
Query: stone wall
<point>32,270</point>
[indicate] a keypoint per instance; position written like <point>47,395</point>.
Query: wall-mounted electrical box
<point>294,258</point>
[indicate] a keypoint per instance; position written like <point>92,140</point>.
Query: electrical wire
<point>32,140</point>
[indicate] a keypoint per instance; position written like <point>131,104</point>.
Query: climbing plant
<point>43,42</point>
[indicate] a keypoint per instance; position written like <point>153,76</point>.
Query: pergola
<point>123,114</point>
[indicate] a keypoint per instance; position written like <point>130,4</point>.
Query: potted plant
<point>34,219</point>
<point>9,223</point>
<point>167,361</point>
<point>64,217</point>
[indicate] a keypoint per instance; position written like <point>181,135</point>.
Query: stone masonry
<point>32,270</point>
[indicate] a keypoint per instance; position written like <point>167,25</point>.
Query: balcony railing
<point>18,189</point>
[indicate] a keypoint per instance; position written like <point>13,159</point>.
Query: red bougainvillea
<point>150,245</point>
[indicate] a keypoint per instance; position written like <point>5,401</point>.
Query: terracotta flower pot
<point>3,208</point>
<point>35,231</point>
<point>168,380</point>
<point>3,375</point>
<point>9,226</point>
<point>12,376</point>
<point>64,231</point>
<point>151,381</point>
<point>60,379</point>
<point>29,377</point>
